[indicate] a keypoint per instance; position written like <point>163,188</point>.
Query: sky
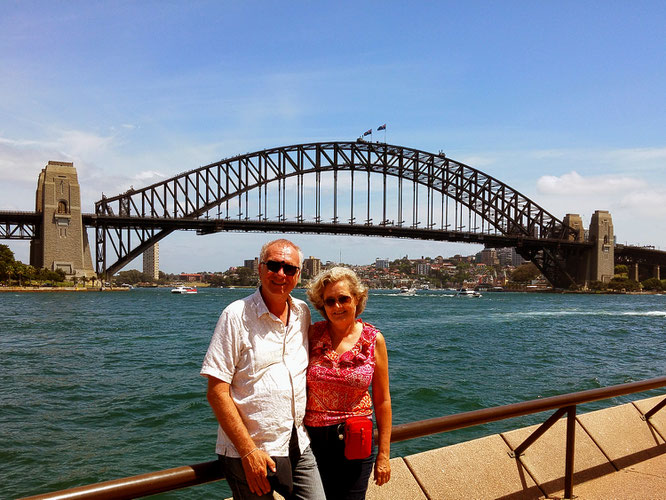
<point>563,101</point>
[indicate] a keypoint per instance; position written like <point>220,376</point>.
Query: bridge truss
<point>19,225</point>
<point>334,187</point>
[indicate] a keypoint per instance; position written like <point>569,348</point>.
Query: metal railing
<point>192,475</point>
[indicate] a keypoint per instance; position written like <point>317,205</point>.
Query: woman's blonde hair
<point>333,275</point>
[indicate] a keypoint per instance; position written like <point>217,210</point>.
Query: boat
<point>184,289</point>
<point>464,292</point>
<point>407,292</point>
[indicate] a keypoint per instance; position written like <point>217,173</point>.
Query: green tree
<point>624,284</point>
<point>246,276</point>
<point>218,280</point>
<point>132,277</point>
<point>21,271</point>
<point>597,285</point>
<point>652,284</point>
<point>525,273</point>
<point>6,263</point>
<point>621,269</point>
<point>462,272</point>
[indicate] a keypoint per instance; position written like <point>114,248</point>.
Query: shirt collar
<point>260,305</point>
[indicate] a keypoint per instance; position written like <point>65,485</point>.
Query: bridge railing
<point>192,475</point>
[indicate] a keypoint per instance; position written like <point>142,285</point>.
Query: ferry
<point>184,289</point>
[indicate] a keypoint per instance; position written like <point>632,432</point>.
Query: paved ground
<point>618,456</point>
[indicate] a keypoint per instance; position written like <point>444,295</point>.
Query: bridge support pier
<point>596,263</point>
<point>656,272</point>
<point>602,255</point>
<point>62,242</point>
<point>633,271</point>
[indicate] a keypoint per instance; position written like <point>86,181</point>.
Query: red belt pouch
<point>358,438</point>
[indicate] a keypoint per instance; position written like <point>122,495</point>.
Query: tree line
<point>14,271</point>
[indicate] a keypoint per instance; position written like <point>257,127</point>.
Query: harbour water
<point>97,386</point>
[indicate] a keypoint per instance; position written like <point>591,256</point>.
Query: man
<point>256,366</point>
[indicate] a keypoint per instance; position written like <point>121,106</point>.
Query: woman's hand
<point>382,470</point>
<point>381,399</point>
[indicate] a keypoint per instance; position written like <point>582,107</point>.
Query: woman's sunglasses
<point>342,300</point>
<point>274,266</point>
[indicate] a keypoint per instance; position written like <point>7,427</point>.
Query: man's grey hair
<point>282,242</point>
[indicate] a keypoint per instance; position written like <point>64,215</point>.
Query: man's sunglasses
<point>342,300</point>
<point>274,266</point>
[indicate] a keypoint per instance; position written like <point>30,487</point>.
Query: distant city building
<point>423,268</point>
<point>382,263</point>
<point>190,277</point>
<point>459,258</point>
<point>252,264</point>
<point>488,257</point>
<point>509,257</point>
<point>311,267</point>
<point>151,261</point>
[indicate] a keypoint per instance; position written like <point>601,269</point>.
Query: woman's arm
<point>381,399</point>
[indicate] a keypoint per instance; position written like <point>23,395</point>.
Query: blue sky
<point>563,101</point>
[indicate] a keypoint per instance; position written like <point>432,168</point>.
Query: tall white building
<point>311,267</point>
<point>151,261</point>
<point>381,263</point>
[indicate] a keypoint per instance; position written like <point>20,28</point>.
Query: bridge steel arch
<point>444,195</point>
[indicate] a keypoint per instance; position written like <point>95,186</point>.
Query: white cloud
<point>80,144</point>
<point>477,161</point>
<point>21,160</point>
<point>149,176</point>
<point>572,183</point>
<point>637,207</point>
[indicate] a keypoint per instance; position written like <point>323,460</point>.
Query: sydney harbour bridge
<point>355,188</point>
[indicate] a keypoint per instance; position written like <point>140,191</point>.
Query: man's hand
<point>254,462</point>
<point>256,465</point>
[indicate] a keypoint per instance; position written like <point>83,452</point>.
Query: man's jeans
<point>306,481</point>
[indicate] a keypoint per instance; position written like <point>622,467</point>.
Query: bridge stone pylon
<point>61,241</point>
<point>601,265</point>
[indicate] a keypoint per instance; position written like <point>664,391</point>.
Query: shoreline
<point>37,289</point>
<point>32,289</point>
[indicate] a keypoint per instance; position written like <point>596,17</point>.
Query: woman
<point>346,357</point>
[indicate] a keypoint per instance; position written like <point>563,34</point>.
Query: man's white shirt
<point>265,364</point>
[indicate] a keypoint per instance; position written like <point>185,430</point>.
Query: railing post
<point>655,409</point>
<point>538,433</point>
<point>570,448</point>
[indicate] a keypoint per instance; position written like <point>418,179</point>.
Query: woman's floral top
<point>338,383</point>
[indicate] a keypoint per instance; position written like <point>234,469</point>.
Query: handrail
<point>477,417</point>
<point>192,475</point>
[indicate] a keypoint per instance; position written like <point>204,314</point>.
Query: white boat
<point>464,292</point>
<point>407,292</point>
<point>184,289</point>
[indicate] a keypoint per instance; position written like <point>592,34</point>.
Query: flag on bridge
<point>381,127</point>
<point>367,132</point>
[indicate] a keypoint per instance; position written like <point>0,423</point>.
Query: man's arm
<point>254,460</point>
